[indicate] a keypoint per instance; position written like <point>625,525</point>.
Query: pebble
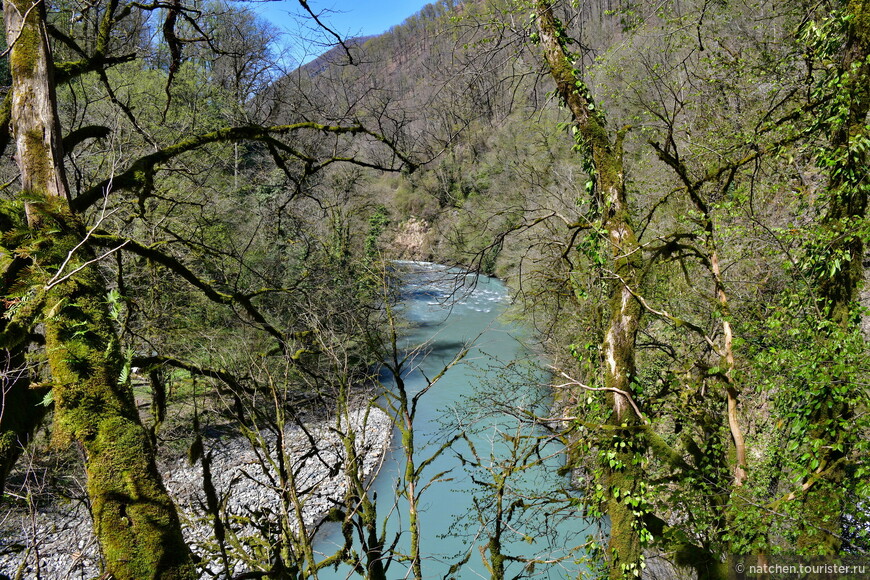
<point>244,484</point>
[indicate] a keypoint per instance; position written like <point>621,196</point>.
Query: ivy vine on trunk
<point>835,256</point>
<point>135,520</point>
<point>621,462</point>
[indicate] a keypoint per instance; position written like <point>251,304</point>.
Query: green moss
<point>39,162</point>
<point>860,9</point>
<point>624,546</point>
<point>25,55</point>
<point>134,518</point>
<point>7,441</point>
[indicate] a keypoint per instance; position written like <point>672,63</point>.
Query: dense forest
<point>199,243</point>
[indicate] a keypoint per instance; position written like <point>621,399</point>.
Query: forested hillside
<point>197,247</point>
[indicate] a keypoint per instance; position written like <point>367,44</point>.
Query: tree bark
<point>134,519</point>
<point>838,287</point>
<point>621,471</point>
<point>847,187</point>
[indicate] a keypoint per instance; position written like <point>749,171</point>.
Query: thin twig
<point>20,30</point>
<point>56,279</point>
<point>575,383</point>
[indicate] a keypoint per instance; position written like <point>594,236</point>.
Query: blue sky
<point>348,18</point>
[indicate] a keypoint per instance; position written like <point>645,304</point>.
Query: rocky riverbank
<point>54,539</point>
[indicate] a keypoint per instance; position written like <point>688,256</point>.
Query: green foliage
<point>377,224</point>
<point>815,377</point>
<point>271,275</point>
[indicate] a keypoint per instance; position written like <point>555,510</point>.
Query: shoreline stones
<point>56,541</point>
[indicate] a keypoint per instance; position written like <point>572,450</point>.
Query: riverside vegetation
<point>195,246</point>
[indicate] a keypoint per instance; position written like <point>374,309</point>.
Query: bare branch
<point>141,173</point>
<point>320,23</point>
<point>575,383</point>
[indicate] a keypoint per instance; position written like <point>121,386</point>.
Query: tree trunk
<point>134,519</point>
<point>838,288</point>
<point>847,159</point>
<point>622,471</point>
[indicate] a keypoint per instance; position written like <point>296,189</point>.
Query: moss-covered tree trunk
<point>840,275</point>
<point>847,161</point>
<point>622,470</point>
<point>134,519</point>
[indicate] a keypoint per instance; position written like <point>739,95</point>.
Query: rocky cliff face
<point>413,240</point>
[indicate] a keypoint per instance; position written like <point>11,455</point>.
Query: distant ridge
<point>334,56</point>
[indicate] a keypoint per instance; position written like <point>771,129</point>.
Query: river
<point>498,379</point>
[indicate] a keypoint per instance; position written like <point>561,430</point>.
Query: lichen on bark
<point>134,518</point>
<point>621,467</point>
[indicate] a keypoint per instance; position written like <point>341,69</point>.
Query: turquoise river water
<point>447,310</point>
